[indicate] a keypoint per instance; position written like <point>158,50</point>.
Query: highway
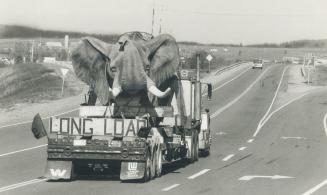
<point>252,152</point>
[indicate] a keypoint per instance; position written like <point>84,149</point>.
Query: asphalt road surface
<point>249,155</point>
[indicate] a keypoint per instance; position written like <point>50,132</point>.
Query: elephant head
<point>129,66</point>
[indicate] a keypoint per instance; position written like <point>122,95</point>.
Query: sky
<point>206,21</point>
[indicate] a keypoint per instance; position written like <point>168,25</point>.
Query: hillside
<point>320,43</point>
<point>16,31</point>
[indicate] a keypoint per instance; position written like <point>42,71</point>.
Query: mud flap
<point>132,170</point>
<point>56,170</point>
<point>38,129</point>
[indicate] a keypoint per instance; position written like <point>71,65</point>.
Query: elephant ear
<point>89,61</point>
<point>163,54</point>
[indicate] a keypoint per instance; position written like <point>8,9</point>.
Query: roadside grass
<point>319,76</point>
<point>32,83</point>
<point>224,56</point>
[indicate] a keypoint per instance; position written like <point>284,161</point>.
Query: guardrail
<point>223,69</point>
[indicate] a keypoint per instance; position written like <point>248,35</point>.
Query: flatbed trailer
<point>137,139</point>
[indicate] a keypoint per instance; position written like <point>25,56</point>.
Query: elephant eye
<point>122,46</point>
<point>113,69</point>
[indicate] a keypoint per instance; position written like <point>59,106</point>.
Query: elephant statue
<point>137,67</point>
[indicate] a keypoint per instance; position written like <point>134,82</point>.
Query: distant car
<point>257,64</point>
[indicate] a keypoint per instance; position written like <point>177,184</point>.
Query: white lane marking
<point>250,140</point>
<point>325,123</point>
<point>22,184</point>
<point>315,188</point>
<point>198,174</point>
<point>219,111</point>
<point>278,109</point>
<point>242,148</point>
<point>271,104</point>
<point>15,124</point>
<point>170,187</point>
<point>284,137</point>
<point>26,122</point>
<point>228,157</point>
<point>249,177</point>
<point>26,149</point>
<point>237,76</point>
<point>221,133</point>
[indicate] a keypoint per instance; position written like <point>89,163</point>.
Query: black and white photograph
<point>163,97</point>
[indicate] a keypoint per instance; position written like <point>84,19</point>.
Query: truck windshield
<point>257,61</point>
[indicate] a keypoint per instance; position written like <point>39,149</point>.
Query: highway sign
<point>184,73</point>
<point>64,71</point>
<point>209,57</point>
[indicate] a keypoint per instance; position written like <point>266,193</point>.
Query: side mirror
<point>209,91</point>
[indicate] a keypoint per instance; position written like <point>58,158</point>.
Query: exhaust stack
<point>197,91</point>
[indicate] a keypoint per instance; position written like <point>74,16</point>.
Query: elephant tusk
<point>116,88</point>
<point>154,90</point>
<point>116,91</point>
<point>158,93</point>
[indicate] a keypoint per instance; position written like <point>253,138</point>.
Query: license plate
<point>79,142</point>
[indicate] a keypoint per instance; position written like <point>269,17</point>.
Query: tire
<point>153,164</point>
<point>196,147</point>
<point>147,170</point>
<point>204,153</point>
<point>159,162</point>
<point>73,174</point>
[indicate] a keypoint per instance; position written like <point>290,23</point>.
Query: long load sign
<point>96,126</point>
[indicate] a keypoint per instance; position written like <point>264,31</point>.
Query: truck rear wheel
<point>158,158</point>
<point>153,165</point>
<point>147,170</point>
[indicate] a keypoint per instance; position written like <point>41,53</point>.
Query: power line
<point>241,14</point>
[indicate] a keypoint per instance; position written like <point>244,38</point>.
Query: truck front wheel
<point>196,147</point>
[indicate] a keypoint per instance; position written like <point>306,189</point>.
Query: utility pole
<point>197,91</point>
<point>197,67</point>
<point>32,51</point>
<point>153,14</point>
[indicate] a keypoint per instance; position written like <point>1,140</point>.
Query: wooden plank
<point>162,111</point>
<point>126,111</point>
